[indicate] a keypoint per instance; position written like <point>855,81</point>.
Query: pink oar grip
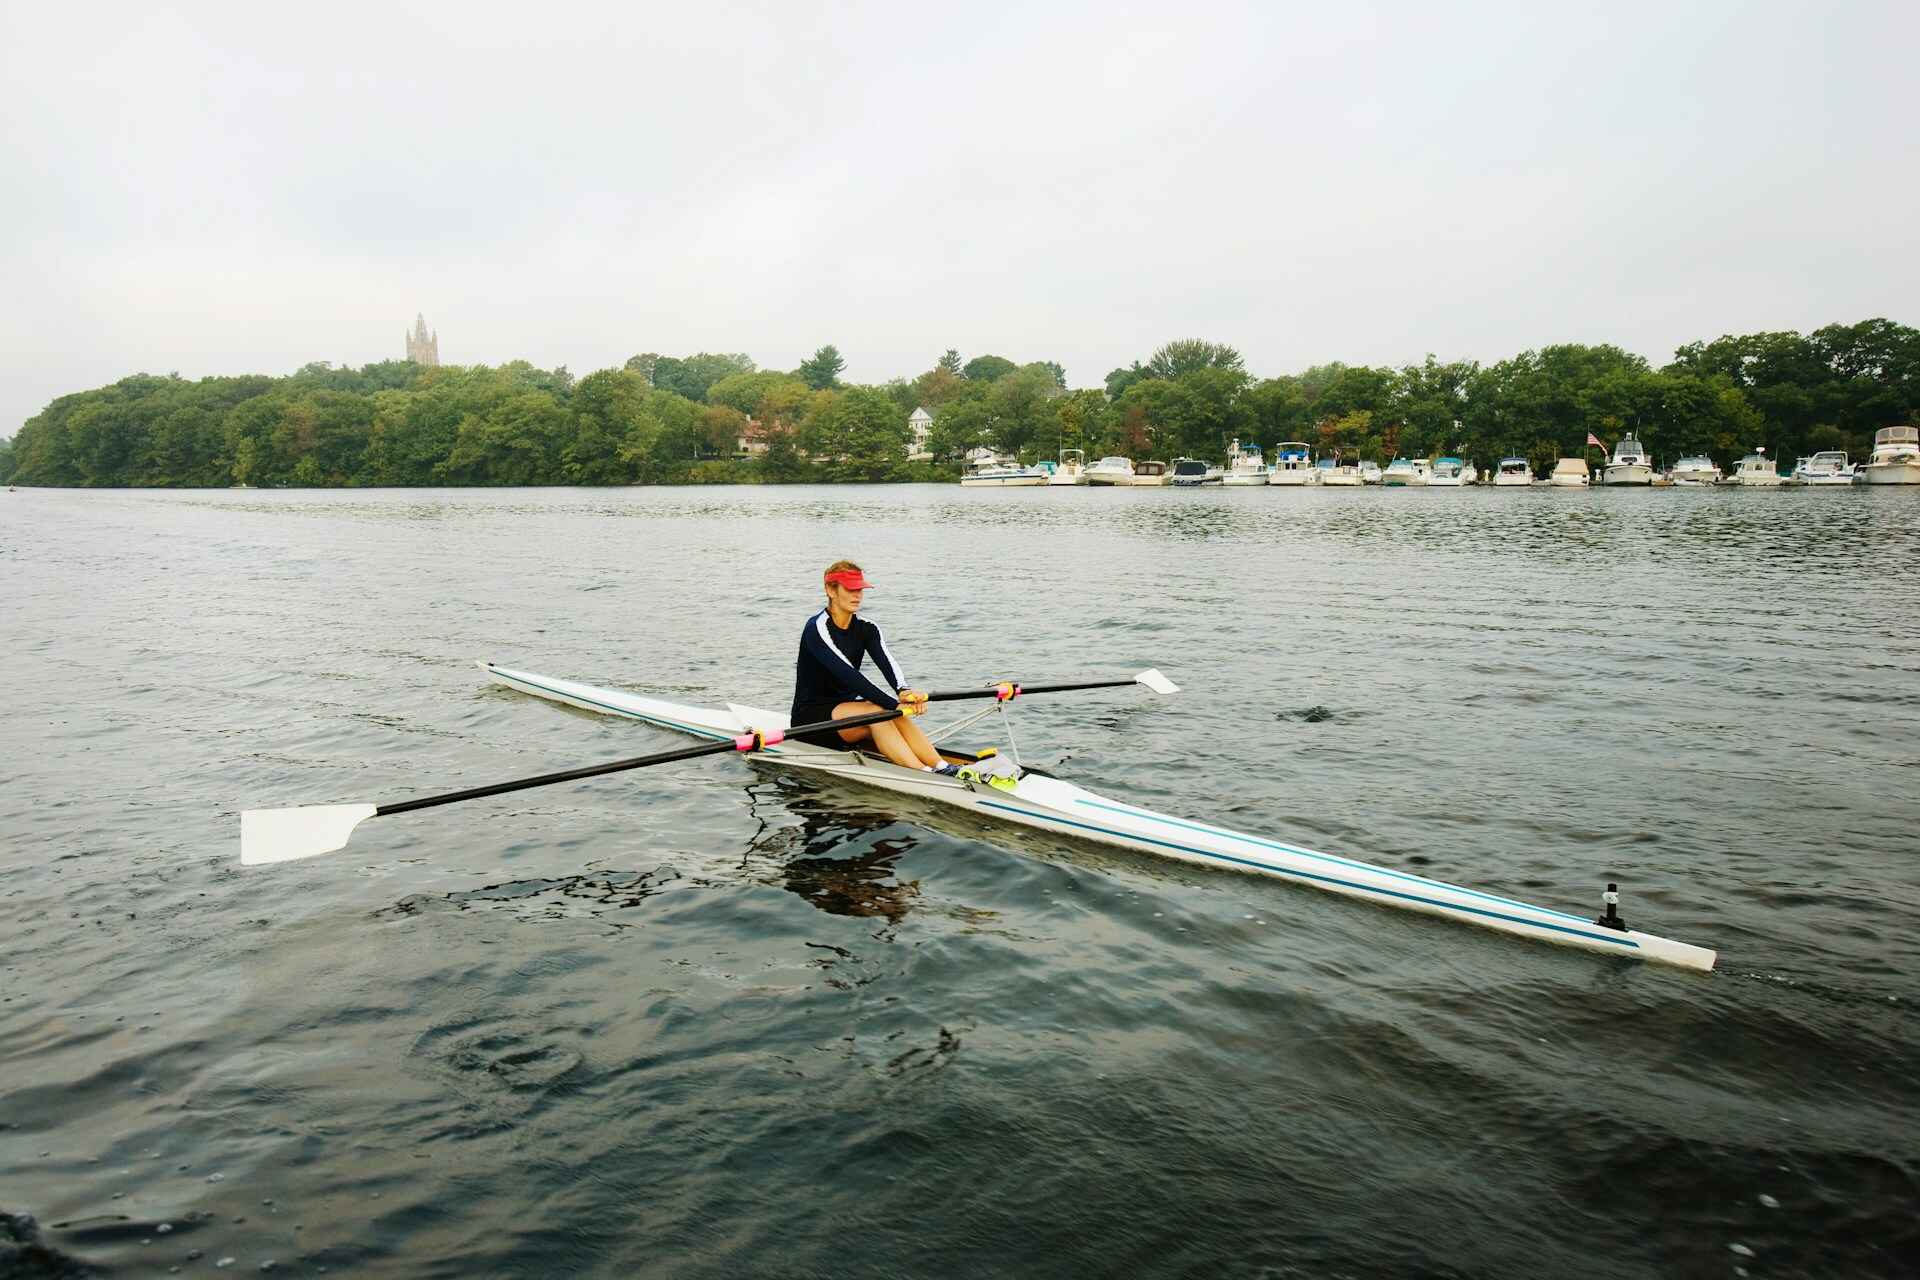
<point>757,739</point>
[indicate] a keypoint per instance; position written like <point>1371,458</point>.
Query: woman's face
<point>841,598</point>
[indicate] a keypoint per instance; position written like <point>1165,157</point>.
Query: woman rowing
<point>829,685</point>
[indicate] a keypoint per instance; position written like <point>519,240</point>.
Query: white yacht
<point>1756,470</point>
<point>1189,473</point>
<point>1150,474</point>
<point>1407,472</point>
<point>1513,471</point>
<point>1895,458</point>
<point>1829,466</point>
<point>1370,472</point>
<point>1695,471</point>
<point>1629,463</point>
<point>1003,475</point>
<point>1292,464</point>
<point>1451,473</point>
<point>1111,471</point>
<point>1570,473</point>
<point>1245,465</point>
<point>1072,468</point>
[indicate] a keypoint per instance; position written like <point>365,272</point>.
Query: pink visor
<point>848,578</point>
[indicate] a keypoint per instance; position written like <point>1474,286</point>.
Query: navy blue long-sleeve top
<point>828,669</point>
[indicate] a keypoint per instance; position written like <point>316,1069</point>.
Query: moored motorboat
<point>1451,473</point>
<point>1292,464</point>
<point>1696,470</point>
<point>1405,473</point>
<point>1335,472</point>
<point>1054,805</point>
<point>1070,470</point>
<point>1245,466</point>
<point>1111,471</point>
<point>1513,471</point>
<point>1191,473</point>
<point>1827,467</point>
<point>1895,458</point>
<point>1629,463</point>
<point>1756,471</point>
<point>1369,471</point>
<point>1570,473</point>
<point>1150,474</point>
<point>1003,475</point>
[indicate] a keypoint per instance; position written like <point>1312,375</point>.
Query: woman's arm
<point>814,640</point>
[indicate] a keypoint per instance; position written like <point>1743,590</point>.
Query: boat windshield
<point>1897,435</point>
<point>1189,467</point>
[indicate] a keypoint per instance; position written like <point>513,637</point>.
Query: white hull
<point>1512,480</point>
<point>1051,804</point>
<point>1152,482</point>
<point>1758,480</point>
<point>1109,478</point>
<point>1002,482</point>
<point>1567,482</point>
<point>1245,479</point>
<point>1340,479</point>
<point>1627,473</point>
<point>1067,479</point>
<point>1405,482</point>
<point>1297,479</point>
<point>1445,482</point>
<point>1889,473</point>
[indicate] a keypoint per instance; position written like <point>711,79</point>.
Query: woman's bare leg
<point>886,734</point>
<point>918,743</point>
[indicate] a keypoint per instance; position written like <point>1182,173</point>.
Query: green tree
<point>1188,355</point>
<point>747,391</point>
<point>692,376</point>
<point>949,362</point>
<point>861,434</point>
<point>987,368</point>
<point>822,370</point>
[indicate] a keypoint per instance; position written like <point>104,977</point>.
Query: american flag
<point>1596,442</point>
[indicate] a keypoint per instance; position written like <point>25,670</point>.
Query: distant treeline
<point>663,419</point>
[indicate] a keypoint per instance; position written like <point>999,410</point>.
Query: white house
<point>922,423</point>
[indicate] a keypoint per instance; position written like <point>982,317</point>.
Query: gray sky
<point>243,188</point>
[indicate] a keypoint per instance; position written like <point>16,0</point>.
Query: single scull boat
<point>1036,800</point>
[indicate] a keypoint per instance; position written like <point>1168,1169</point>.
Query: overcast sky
<point>244,188</point>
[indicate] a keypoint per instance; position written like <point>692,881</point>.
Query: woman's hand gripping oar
<point>284,835</point>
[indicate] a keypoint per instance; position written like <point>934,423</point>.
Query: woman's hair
<point>839,566</point>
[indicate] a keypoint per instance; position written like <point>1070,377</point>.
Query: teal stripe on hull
<point>1449,907</point>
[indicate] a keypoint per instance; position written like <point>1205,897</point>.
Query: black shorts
<point>814,713</point>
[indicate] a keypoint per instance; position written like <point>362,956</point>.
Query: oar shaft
<point>993,691</point>
<point>616,766</point>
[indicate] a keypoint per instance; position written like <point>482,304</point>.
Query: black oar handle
<point>997,691</point>
<point>753,741</point>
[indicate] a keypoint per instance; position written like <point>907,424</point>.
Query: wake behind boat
<point>1034,799</point>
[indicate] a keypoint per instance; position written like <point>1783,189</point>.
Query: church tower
<point>423,348</point>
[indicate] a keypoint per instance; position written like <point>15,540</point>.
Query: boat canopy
<point>1189,467</point>
<point>1897,435</point>
<point>1570,467</point>
<point>1511,461</point>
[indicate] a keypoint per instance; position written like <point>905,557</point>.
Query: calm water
<point>713,1020</point>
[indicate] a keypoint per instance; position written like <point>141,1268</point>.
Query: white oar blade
<point>284,835</point>
<point>1152,678</point>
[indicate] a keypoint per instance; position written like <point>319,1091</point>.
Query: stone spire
<point>423,347</point>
